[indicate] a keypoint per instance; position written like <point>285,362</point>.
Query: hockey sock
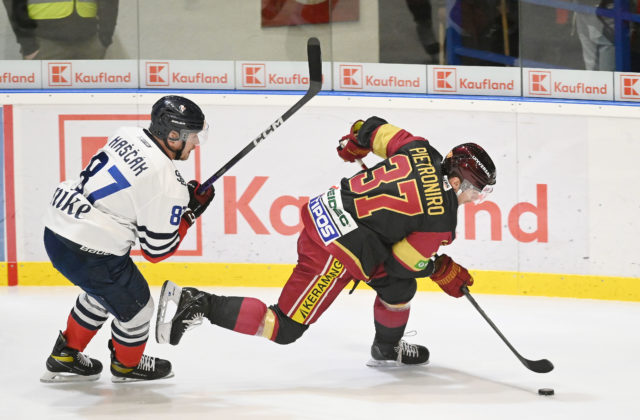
<point>242,314</point>
<point>390,320</point>
<point>130,337</point>
<point>84,321</point>
<point>127,355</point>
<point>77,336</point>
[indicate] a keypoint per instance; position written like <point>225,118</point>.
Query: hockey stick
<point>315,84</point>
<point>538,366</point>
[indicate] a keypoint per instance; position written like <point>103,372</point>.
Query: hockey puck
<point>546,391</point>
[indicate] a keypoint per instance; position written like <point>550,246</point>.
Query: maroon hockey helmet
<point>470,162</point>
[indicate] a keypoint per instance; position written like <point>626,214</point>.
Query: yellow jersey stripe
<point>383,136</point>
<point>409,256</point>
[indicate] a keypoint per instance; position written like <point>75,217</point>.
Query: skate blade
<point>62,377</point>
<point>120,380</point>
<point>170,293</point>
<point>391,364</point>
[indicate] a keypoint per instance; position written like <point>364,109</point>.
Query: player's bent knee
<point>288,329</point>
<point>143,316</point>
<point>399,292</point>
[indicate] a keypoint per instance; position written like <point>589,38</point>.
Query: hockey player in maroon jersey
<point>130,190</point>
<point>382,226</point>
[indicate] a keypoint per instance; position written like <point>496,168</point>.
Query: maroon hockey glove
<point>450,276</point>
<point>349,149</point>
<point>199,200</point>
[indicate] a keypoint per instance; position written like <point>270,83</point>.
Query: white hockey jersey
<point>130,189</point>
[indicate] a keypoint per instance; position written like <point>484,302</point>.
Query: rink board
<point>561,221</point>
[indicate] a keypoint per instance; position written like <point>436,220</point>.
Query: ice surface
<point>594,345</point>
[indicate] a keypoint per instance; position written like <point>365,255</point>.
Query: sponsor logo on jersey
<point>422,264</point>
<point>314,296</point>
<point>331,219</point>
<point>180,178</point>
<point>325,226</point>
<point>71,202</point>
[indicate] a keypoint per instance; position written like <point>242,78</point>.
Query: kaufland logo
<point>540,83</point>
<point>60,74</point>
<point>444,80</point>
<point>254,75</point>
<point>157,74</point>
<point>629,86</point>
<point>9,78</point>
<point>351,76</point>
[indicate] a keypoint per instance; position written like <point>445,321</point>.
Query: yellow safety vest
<point>58,9</point>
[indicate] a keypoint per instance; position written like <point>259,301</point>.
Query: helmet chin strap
<point>179,152</point>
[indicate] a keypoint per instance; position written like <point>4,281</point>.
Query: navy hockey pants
<point>113,280</point>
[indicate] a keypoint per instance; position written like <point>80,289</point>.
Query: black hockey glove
<point>199,200</point>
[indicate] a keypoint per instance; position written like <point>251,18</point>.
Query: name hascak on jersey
<point>130,155</point>
<point>329,216</point>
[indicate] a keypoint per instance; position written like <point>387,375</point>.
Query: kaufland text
<point>486,84</point>
<point>102,77</point>
<point>7,77</point>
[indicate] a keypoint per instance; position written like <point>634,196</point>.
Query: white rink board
<point>580,159</point>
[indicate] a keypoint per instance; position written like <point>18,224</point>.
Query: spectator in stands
<point>596,36</point>
<point>63,29</point>
<point>421,12</point>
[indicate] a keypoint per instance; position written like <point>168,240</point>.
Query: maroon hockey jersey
<point>392,218</point>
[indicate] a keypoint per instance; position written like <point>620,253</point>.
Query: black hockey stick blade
<point>538,366</point>
<point>314,58</point>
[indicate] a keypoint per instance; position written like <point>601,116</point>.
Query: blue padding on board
<point>326,93</point>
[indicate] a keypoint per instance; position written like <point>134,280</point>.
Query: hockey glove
<point>450,276</point>
<point>199,200</point>
<point>349,149</point>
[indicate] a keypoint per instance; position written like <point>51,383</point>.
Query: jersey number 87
<point>98,162</point>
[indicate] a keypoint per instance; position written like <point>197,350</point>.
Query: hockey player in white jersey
<point>130,190</point>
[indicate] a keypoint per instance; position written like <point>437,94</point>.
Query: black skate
<point>192,306</point>
<point>148,369</point>
<point>402,354</point>
<point>68,365</point>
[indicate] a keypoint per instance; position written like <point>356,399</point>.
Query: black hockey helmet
<point>176,113</point>
<point>470,162</point>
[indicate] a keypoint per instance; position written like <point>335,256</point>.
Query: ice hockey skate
<point>148,369</point>
<point>68,365</point>
<point>192,307</point>
<point>402,354</point>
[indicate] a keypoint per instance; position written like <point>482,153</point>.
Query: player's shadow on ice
<point>109,398</point>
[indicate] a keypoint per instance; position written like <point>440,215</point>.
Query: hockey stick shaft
<point>539,366</point>
<point>314,58</point>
